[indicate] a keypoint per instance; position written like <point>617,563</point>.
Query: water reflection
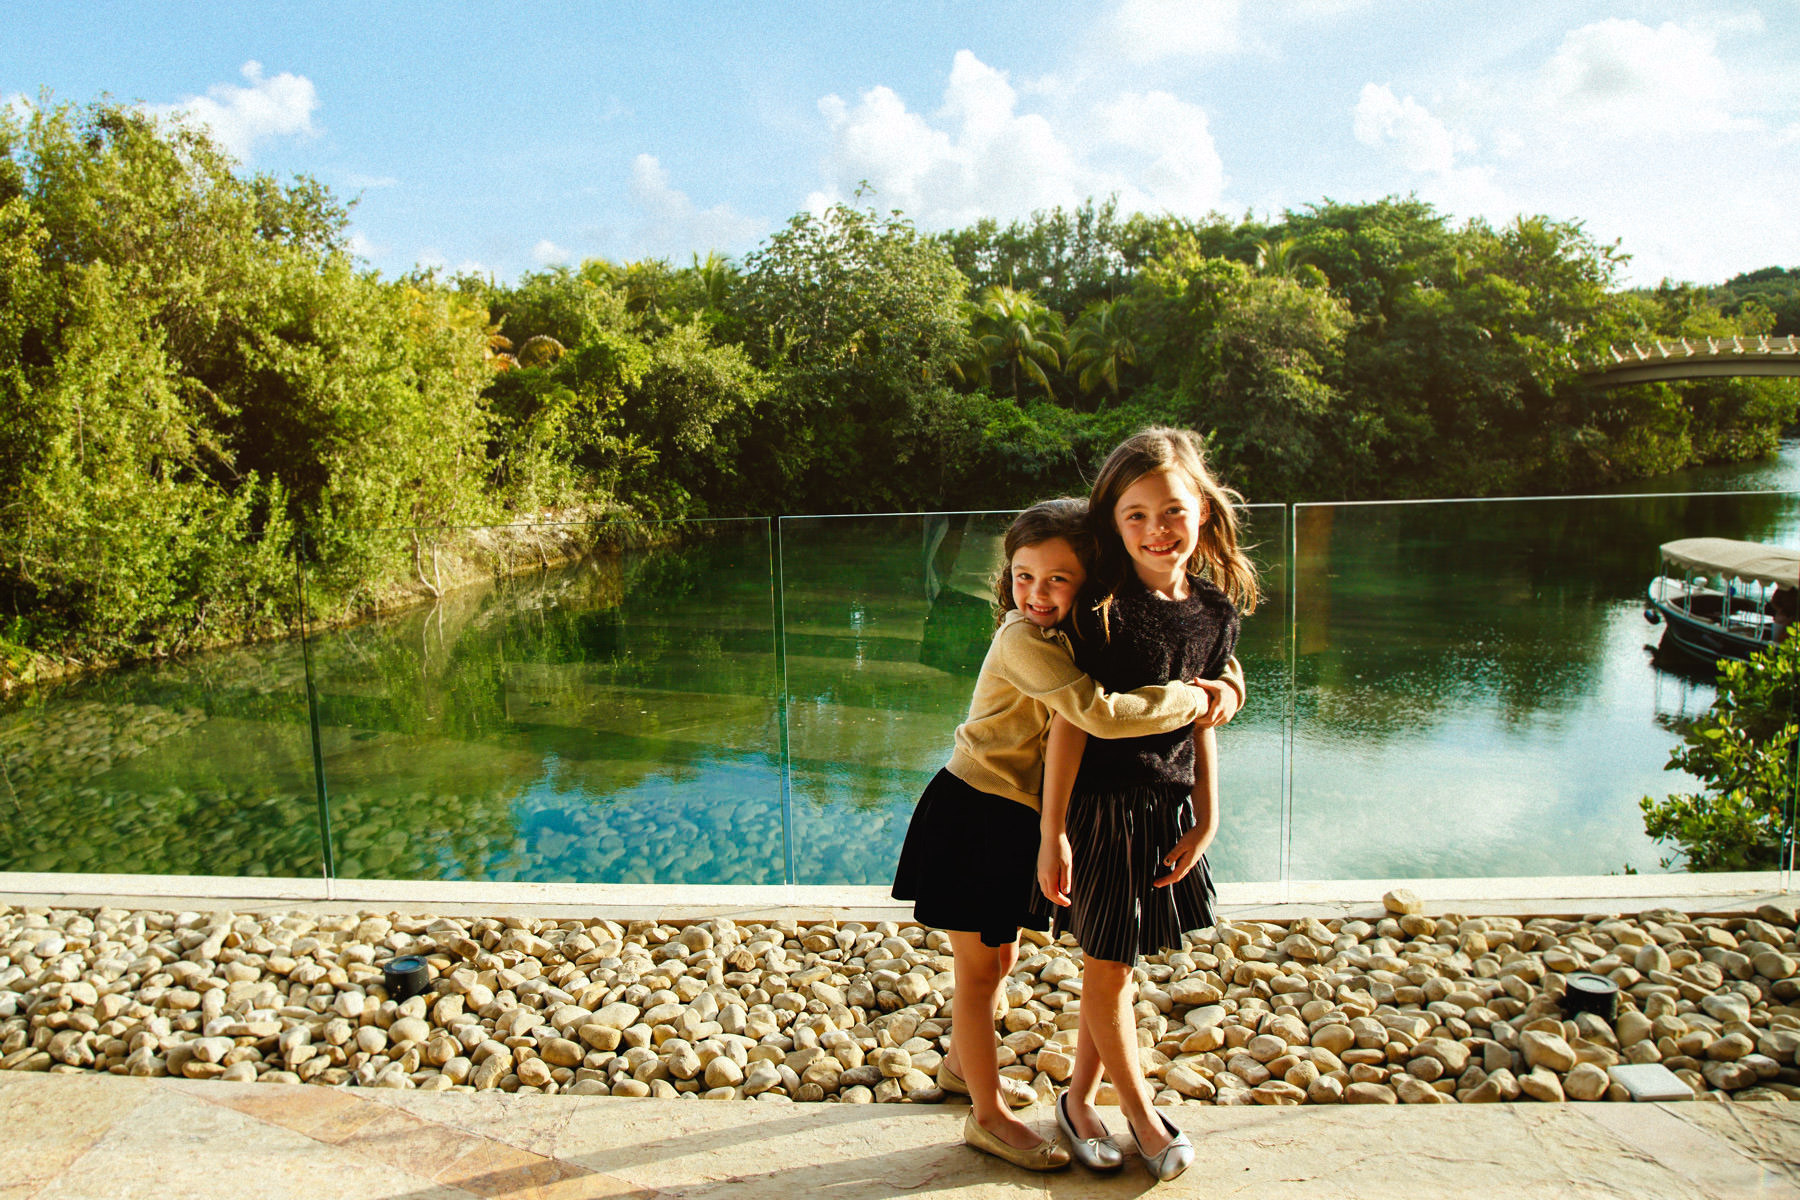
<point>611,721</point>
<point>1475,690</point>
<point>200,767</point>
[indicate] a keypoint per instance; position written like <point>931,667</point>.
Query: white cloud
<point>1405,128</point>
<point>1416,141</point>
<point>673,224</point>
<point>432,259</point>
<point>363,248</point>
<point>1183,172</point>
<point>548,254</point>
<point>239,117</point>
<point>1620,76</point>
<point>1153,30</point>
<point>1651,136</point>
<point>1307,11</point>
<point>978,155</point>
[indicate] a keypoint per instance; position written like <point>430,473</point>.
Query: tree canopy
<point>198,381</point>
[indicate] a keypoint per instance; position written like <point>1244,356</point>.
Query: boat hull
<point>1704,639</point>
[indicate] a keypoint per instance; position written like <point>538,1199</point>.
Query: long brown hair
<point>1065,517</point>
<point>1218,556</point>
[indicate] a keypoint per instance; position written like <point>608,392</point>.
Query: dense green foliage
<point>197,378</point>
<point>1771,290</point>
<point>1744,750</point>
<point>192,370</point>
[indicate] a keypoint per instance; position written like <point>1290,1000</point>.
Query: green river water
<point>1470,690</point>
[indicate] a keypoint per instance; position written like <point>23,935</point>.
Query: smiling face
<point>1046,578</point>
<point>1158,518</point>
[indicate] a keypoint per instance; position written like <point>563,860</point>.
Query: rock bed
<point>49,750</point>
<point>1407,1008</point>
<point>641,838</point>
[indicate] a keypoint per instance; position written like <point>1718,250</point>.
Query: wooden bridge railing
<point>1698,358</point>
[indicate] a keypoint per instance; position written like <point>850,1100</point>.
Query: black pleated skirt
<point>1118,840</point>
<point>970,863</point>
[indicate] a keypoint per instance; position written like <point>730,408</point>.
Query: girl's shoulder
<point>1206,596</point>
<point>1209,612</point>
<point>1017,635</point>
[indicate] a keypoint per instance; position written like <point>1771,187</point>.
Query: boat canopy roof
<point>1746,560</point>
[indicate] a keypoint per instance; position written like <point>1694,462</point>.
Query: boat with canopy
<point>1724,598</point>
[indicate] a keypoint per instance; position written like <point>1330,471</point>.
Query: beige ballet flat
<point>1016,1092</point>
<point>1048,1155</point>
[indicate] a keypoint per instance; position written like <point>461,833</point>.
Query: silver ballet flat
<point>1173,1158</point>
<point>1096,1154</point>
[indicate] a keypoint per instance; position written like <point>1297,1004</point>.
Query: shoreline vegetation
<point>441,561</point>
<point>196,373</point>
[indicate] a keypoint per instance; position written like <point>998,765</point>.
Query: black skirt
<point>1118,840</point>
<point>969,863</point>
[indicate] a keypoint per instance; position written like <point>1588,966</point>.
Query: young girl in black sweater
<point>1123,839</point>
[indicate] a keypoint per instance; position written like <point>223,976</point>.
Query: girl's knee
<point>978,977</point>
<point>1105,974</point>
<point>983,964</point>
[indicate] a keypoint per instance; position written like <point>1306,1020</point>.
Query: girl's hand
<point>1055,867</point>
<point>1186,853</point>
<point>1222,702</point>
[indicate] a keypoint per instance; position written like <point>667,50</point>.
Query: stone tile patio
<point>110,1136</point>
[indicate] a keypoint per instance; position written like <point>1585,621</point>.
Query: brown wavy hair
<point>1065,517</point>
<point>1218,556</point>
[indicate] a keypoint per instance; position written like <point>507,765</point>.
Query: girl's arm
<point>1194,842</point>
<point>1062,758</point>
<point>1044,669</point>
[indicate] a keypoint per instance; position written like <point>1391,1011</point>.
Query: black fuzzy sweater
<point>1153,641</point>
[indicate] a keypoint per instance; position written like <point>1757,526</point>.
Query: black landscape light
<point>404,976</point>
<point>1584,991</point>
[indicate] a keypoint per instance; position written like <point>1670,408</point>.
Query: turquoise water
<point>1474,692</point>
<point>1477,691</point>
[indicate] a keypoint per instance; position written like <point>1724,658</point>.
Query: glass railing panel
<point>886,621</point>
<point>1790,852</point>
<point>581,703</point>
<point>197,766</point>
<point>1253,747</point>
<point>1477,690</point>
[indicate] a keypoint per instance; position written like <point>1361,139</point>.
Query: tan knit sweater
<point>1030,673</point>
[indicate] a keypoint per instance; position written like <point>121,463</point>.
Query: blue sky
<point>501,138</point>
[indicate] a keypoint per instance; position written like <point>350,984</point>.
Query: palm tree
<point>647,285</point>
<point>714,277</point>
<point>1286,258</point>
<point>1020,335</point>
<point>971,366</point>
<point>1101,345</point>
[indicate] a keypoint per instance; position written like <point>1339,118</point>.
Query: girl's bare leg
<point>980,971</point>
<point>1107,1018</point>
<point>1084,1083</point>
